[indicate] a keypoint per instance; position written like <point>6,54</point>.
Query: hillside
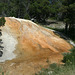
<point>28,46</point>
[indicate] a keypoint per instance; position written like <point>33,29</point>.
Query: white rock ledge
<point>9,44</point>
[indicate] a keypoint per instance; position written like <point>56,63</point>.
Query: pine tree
<point>2,21</point>
<point>68,13</point>
<point>40,10</point>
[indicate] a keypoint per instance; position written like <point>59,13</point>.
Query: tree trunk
<point>66,27</point>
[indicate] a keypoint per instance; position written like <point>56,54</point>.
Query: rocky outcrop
<point>27,46</point>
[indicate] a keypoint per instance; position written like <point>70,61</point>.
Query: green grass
<point>2,72</point>
<point>58,70</point>
<point>67,69</point>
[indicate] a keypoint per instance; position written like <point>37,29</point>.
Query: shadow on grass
<point>48,22</point>
<point>70,34</point>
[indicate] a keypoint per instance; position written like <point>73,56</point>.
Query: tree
<point>54,6</point>
<point>2,21</point>
<point>16,8</point>
<point>68,14</point>
<point>40,10</point>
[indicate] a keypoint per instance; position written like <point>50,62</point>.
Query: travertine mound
<point>28,46</point>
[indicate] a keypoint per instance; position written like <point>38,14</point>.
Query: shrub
<point>69,58</point>
<point>2,21</point>
<point>26,16</point>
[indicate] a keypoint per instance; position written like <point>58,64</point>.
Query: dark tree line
<point>40,10</point>
<point>68,14</point>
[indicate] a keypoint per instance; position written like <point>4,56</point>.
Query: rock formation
<point>28,46</point>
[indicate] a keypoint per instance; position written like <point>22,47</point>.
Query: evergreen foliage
<point>68,13</point>
<point>40,9</point>
<point>2,21</point>
<point>69,58</point>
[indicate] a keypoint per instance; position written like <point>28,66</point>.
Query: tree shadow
<point>48,22</point>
